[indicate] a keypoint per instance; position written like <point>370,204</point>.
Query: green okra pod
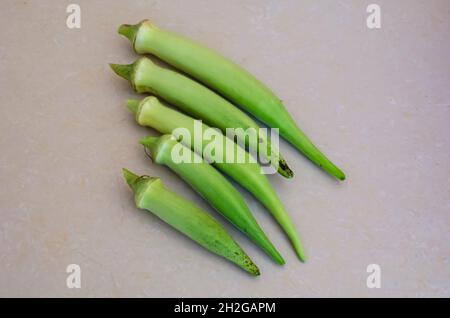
<point>212,186</point>
<point>227,78</point>
<point>152,113</point>
<point>200,102</point>
<point>150,194</point>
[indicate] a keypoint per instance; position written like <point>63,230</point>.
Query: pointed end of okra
<point>123,70</point>
<point>300,253</point>
<point>331,168</point>
<point>335,171</point>
<point>129,31</point>
<point>341,175</point>
<point>130,177</point>
<point>284,169</point>
<point>279,260</point>
<point>251,268</point>
<point>133,105</point>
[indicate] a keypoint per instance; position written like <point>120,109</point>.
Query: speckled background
<point>376,101</point>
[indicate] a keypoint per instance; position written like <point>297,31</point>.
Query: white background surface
<point>377,102</point>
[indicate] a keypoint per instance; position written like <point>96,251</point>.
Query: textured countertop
<point>376,101</point>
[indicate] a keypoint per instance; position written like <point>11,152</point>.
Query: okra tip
<point>250,267</point>
<point>333,170</point>
<point>337,173</point>
<point>256,271</point>
<point>300,253</point>
<point>341,175</point>
<point>123,70</point>
<point>284,169</point>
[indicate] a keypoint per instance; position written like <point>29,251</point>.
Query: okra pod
<point>150,194</point>
<point>227,78</point>
<point>212,186</point>
<point>152,113</point>
<point>200,102</point>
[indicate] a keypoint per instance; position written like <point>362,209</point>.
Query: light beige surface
<point>376,101</point>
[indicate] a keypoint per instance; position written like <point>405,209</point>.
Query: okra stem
<point>188,218</point>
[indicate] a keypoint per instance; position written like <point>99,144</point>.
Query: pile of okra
<point>207,91</point>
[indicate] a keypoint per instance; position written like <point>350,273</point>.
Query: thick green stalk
<point>152,113</point>
<point>227,78</point>
<point>188,218</point>
<point>212,186</point>
<point>200,102</point>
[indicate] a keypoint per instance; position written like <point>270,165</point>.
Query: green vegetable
<point>211,185</point>
<point>200,102</point>
<point>150,194</point>
<point>227,78</point>
<point>152,113</point>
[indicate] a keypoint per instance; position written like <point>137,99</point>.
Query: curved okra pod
<point>212,186</point>
<point>227,78</point>
<point>201,102</point>
<point>150,194</point>
<point>152,113</point>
